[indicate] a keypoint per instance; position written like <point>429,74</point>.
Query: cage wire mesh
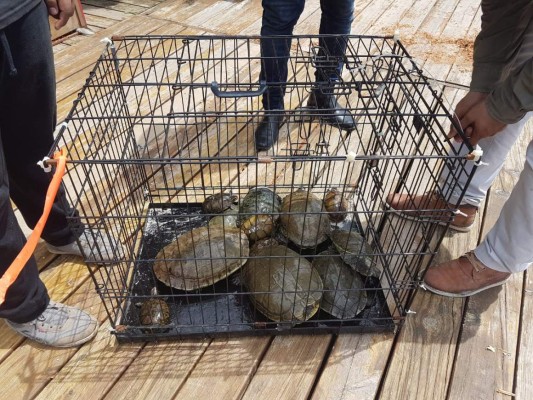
<point>194,232</point>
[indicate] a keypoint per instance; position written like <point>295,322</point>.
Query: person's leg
<point>27,297</point>
<point>27,308</point>
<point>507,246</point>
<point>279,18</point>
<point>337,18</point>
<point>27,120</point>
<point>505,250</point>
<point>495,150</point>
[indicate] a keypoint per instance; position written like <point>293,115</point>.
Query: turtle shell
<point>259,200</point>
<point>344,296</point>
<point>283,285</point>
<point>258,227</point>
<point>336,205</point>
<point>354,251</point>
<point>227,220</point>
<point>154,312</point>
<point>201,257</point>
<point>218,203</point>
<point>302,221</point>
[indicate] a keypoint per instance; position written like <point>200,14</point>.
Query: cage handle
<point>22,258</point>
<point>239,93</point>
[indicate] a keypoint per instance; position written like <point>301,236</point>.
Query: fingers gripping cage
<point>217,238</point>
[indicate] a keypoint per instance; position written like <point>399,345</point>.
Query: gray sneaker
<point>100,249</point>
<point>59,326</point>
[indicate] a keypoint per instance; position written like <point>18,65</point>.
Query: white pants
<point>508,247</point>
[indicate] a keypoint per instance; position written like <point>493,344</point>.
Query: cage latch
<point>475,155</point>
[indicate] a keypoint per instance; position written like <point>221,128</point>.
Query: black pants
<point>27,121</point>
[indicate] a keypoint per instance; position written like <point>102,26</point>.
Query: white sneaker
<point>100,249</point>
<point>59,326</point>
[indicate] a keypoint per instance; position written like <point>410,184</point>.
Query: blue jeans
<point>279,18</point>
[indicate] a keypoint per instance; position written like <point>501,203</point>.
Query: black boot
<point>330,110</point>
<point>268,131</point>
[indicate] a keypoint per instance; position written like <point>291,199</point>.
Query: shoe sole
<point>425,286</point>
<point>406,216</point>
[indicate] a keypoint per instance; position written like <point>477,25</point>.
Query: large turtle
<point>302,221</point>
<point>201,257</point>
<point>259,200</point>
<point>283,285</point>
<point>226,220</point>
<point>355,251</point>
<point>344,296</point>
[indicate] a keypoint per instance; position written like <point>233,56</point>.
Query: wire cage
<point>193,232</point>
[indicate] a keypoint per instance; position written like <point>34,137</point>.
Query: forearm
<point>513,97</point>
<point>503,25</point>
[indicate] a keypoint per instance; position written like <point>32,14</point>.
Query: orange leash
<point>22,258</point>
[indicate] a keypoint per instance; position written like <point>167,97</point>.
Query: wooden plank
<point>116,5</point>
<point>93,369</point>
<point>40,363</point>
<point>524,365</point>
<point>354,368</point>
<point>159,371</point>
<point>492,317</point>
<point>289,368</point>
<point>91,10</point>
<point>232,362</point>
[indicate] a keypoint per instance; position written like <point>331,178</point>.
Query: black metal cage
<point>165,125</point>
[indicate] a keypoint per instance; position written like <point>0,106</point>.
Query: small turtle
<point>283,285</point>
<point>354,251</point>
<point>259,200</point>
<point>218,203</point>
<point>258,226</point>
<point>201,257</point>
<point>227,220</point>
<point>344,296</point>
<point>336,205</point>
<point>154,311</point>
<point>302,220</point>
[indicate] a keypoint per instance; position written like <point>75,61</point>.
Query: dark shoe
<point>462,277</point>
<point>330,110</point>
<point>433,206</point>
<point>268,131</point>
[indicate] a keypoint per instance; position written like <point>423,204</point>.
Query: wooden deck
<point>448,348</point>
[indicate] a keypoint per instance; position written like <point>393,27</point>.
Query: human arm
<point>61,10</point>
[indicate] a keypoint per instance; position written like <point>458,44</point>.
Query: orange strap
<point>20,261</point>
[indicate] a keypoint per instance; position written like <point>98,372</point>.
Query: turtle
<point>258,226</point>
<point>302,221</point>
<point>283,285</point>
<point>154,311</point>
<point>227,220</point>
<point>336,205</point>
<point>344,296</point>
<point>354,251</point>
<point>259,200</point>
<point>201,257</point>
<point>218,203</point>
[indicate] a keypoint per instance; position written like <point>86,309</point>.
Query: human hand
<point>61,10</point>
<point>463,107</point>
<point>478,123</point>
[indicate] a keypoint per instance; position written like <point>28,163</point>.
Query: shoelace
<point>472,259</point>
